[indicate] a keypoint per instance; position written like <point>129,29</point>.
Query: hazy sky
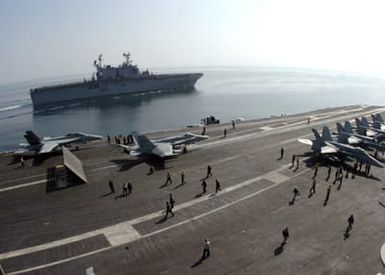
<point>43,38</point>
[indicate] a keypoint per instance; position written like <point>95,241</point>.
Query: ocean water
<point>226,93</point>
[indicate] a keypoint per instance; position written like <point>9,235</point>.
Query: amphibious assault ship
<point>109,80</point>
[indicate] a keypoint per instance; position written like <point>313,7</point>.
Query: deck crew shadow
<point>106,194</point>
<point>198,195</point>
<point>199,262</point>
<point>169,207</point>
<point>205,255</point>
<point>279,249</point>
<point>178,186</point>
<point>121,196</point>
<point>162,220</point>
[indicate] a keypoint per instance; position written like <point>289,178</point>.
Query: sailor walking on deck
<point>206,249</point>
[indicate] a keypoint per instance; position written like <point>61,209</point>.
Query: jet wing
<point>177,141</point>
<point>305,141</point>
<point>135,153</point>
<point>370,133</point>
<point>48,147</point>
<point>163,150</point>
<point>186,138</point>
<point>65,141</point>
<point>328,150</point>
<point>129,149</point>
<point>354,140</point>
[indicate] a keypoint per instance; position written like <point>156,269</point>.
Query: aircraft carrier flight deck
<point>87,229</point>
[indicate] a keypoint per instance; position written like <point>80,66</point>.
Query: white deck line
<point>278,181</point>
<point>267,128</point>
<point>22,185</point>
<point>58,262</point>
<point>24,178</point>
<point>111,231</point>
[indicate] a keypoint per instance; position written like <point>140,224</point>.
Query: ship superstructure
<point>109,80</point>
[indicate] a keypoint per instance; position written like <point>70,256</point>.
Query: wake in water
<point>15,110</point>
<point>8,108</point>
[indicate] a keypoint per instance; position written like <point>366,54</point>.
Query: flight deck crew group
<point>338,177</point>
<point>170,204</point>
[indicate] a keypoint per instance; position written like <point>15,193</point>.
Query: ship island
<point>109,80</point>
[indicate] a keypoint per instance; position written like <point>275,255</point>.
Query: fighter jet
<point>378,121</point>
<point>370,130</point>
<point>364,130</point>
<point>38,146</point>
<point>326,146</point>
<point>184,139</point>
<point>347,136</point>
<point>163,148</point>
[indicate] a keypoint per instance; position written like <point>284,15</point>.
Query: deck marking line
<point>221,207</point>
<point>113,230</point>
<point>22,185</point>
<point>163,229</point>
<point>60,261</point>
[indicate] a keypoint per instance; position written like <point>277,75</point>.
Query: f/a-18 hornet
<point>325,146</point>
<point>364,127</point>
<point>163,148</point>
<point>347,136</point>
<point>378,121</point>
<point>38,146</point>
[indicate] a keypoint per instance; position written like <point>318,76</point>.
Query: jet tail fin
<point>358,122</point>
<point>374,118</point>
<point>340,128</point>
<point>365,121</point>
<point>316,135</point>
<point>326,135</point>
<point>379,118</point>
<point>142,141</point>
<point>32,138</point>
<point>348,127</point>
<point>318,143</point>
<point>360,128</point>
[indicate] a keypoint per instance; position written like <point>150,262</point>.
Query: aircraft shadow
<point>126,164</point>
<point>40,159</point>
<point>14,160</point>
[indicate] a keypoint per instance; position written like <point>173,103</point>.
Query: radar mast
<point>100,58</point>
<point>127,57</point>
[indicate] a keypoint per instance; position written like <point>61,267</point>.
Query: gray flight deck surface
<point>84,227</point>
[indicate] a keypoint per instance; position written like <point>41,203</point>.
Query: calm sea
<point>226,93</point>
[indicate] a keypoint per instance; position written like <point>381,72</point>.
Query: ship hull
<point>90,89</point>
